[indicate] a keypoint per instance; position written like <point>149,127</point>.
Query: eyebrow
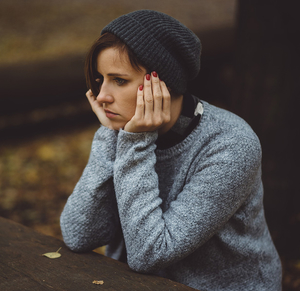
<point>115,74</point>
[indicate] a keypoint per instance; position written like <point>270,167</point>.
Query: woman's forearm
<point>89,218</point>
<point>156,239</point>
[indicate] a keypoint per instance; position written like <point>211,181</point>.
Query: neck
<point>176,106</point>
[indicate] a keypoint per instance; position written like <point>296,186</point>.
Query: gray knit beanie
<point>162,44</point>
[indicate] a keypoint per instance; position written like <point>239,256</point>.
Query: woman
<point>173,184</point>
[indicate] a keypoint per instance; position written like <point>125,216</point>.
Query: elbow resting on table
<point>85,243</point>
<point>82,244</point>
<point>141,263</point>
<point>140,268</point>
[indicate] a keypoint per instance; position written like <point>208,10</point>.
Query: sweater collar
<point>189,118</point>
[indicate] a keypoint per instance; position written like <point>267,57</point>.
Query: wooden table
<point>22,266</point>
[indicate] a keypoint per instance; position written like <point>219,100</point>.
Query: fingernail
<point>154,74</point>
<point>141,87</point>
<point>148,77</point>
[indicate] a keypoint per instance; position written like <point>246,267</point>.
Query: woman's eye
<point>120,81</point>
<point>99,81</point>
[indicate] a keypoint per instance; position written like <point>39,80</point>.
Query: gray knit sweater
<point>192,213</point>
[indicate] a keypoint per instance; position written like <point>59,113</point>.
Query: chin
<point>118,126</point>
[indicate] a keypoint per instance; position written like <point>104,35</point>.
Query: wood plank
<point>22,266</point>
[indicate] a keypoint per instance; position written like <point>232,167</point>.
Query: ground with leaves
<point>37,176</point>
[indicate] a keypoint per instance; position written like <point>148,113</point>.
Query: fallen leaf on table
<point>53,255</point>
<point>98,282</point>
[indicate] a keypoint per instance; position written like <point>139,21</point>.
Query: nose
<point>105,94</point>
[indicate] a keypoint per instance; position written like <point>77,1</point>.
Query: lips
<point>110,114</point>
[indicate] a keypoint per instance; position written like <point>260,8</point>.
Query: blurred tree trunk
<point>266,93</point>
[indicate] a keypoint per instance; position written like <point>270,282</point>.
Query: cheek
<point>129,102</point>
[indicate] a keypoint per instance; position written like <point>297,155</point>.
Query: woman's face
<point>118,85</point>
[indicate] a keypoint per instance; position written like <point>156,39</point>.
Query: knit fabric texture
<point>162,44</point>
<point>192,213</point>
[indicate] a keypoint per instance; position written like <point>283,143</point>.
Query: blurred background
<point>250,66</point>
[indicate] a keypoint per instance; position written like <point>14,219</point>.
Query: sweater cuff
<point>142,139</point>
<point>107,132</point>
<point>105,141</point>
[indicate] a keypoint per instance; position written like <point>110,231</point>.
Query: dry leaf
<point>101,282</point>
<point>53,255</point>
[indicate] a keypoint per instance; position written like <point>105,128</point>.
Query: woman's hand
<point>153,106</point>
<point>98,109</point>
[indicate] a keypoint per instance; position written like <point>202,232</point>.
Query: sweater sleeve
<point>89,218</point>
<point>155,239</point>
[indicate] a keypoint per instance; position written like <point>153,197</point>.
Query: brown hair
<point>107,40</point>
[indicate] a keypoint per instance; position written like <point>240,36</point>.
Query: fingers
<point>166,101</point>
<point>148,97</point>
<point>90,96</point>
<point>157,94</point>
<point>153,106</point>
<point>92,100</point>
<point>161,99</point>
<point>139,110</point>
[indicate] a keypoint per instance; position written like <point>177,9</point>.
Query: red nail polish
<point>141,87</point>
<point>154,74</point>
<point>148,77</point>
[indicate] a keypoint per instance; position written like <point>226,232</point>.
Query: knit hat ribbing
<point>162,44</point>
